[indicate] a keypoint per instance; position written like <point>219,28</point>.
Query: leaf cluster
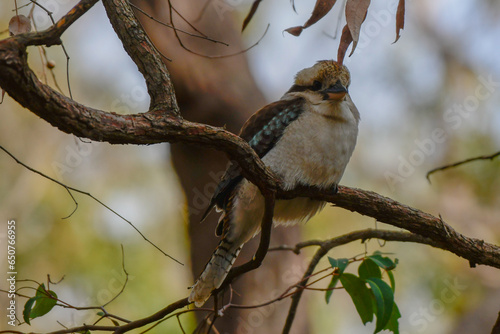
<point>370,294</point>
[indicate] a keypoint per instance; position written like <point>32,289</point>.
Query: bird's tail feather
<point>215,271</point>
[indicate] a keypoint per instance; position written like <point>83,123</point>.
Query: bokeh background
<point>442,75</point>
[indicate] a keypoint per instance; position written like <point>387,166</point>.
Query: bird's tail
<point>215,271</point>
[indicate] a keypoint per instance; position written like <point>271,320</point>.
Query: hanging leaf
<point>383,261</point>
<point>384,300</point>
<point>391,278</point>
<point>19,24</point>
<point>368,269</point>
<point>393,323</point>
<point>340,264</point>
<point>400,19</point>
<point>360,295</point>
<point>345,41</point>
<point>27,309</point>
<point>251,13</point>
<point>296,31</point>
<point>321,8</point>
<point>355,14</point>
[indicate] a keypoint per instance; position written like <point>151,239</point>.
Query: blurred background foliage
<point>404,92</point>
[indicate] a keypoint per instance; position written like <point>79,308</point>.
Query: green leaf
<point>332,285</point>
<point>47,299</point>
<point>384,299</point>
<point>383,261</point>
<point>27,309</point>
<point>393,324</point>
<point>360,295</point>
<point>368,268</point>
<point>341,264</point>
<point>101,314</point>
<point>393,281</point>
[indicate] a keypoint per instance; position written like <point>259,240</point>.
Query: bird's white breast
<point>315,149</point>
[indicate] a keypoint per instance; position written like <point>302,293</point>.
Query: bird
<point>306,139</point>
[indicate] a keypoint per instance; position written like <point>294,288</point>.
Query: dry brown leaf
<point>251,13</point>
<point>19,24</point>
<point>400,19</point>
<point>355,14</point>
<point>3,94</point>
<point>345,41</point>
<point>321,8</point>
<point>296,31</point>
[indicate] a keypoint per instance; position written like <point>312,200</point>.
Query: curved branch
<point>389,211</point>
<point>155,126</point>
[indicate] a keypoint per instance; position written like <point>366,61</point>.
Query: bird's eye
<point>316,85</point>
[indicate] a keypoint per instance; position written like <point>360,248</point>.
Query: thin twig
<point>124,283</point>
<point>201,35</point>
<point>482,157</point>
<point>172,9</point>
<point>69,189</point>
<point>49,13</point>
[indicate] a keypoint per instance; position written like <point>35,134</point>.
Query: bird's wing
<point>261,131</point>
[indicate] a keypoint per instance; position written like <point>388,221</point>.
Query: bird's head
<point>326,80</point>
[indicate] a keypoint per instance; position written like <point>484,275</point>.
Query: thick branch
<point>142,51</point>
<point>156,126</point>
<point>391,212</point>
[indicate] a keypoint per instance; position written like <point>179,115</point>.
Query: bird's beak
<point>335,92</point>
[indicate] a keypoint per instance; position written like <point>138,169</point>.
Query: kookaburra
<point>306,138</point>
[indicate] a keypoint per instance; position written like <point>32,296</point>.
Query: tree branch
<point>389,211</point>
<point>161,123</point>
<point>482,157</point>
<point>142,51</point>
